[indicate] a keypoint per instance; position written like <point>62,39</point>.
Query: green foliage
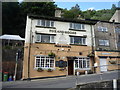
<point>39,69</point>
<point>75,12</point>
<point>15,13</point>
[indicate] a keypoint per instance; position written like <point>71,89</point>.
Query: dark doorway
<point>70,67</point>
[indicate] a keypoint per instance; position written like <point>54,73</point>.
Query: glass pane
<point>42,62</point>
<point>52,39</point>
<point>42,22</point>
<point>38,22</point>
<point>76,63</point>
<point>72,40</point>
<point>106,42</point>
<point>52,23</point>
<point>47,63</point>
<point>51,63</point>
<point>88,64</point>
<point>38,38</point>
<point>78,26</point>
<point>83,41</point>
<point>71,25</point>
<point>45,38</point>
<point>80,63</point>
<point>48,23</point>
<point>37,62</point>
<point>84,63</point>
<point>83,26</point>
<point>77,40</point>
<point>99,29</point>
<point>101,42</point>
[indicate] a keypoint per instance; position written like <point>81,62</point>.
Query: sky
<point>92,4</point>
<point>87,5</point>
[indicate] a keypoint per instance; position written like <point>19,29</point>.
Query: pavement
<point>62,82</point>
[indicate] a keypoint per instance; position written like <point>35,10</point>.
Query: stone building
<point>57,44</point>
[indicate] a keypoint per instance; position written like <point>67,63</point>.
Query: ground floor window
<point>44,62</point>
<point>82,63</point>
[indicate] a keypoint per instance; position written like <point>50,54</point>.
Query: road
<point>62,82</point>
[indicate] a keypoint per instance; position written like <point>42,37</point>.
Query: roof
<point>86,21</point>
<point>11,37</point>
<point>62,19</point>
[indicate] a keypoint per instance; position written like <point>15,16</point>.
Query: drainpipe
<point>93,51</point>
<point>115,36</point>
<point>29,52</point>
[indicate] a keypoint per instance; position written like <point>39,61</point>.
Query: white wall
<point>60,26</point>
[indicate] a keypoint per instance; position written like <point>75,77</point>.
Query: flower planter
<point>49,70</point>
<point>39,69</point>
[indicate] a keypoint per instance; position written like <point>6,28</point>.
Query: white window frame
<point>73,26</point>
<point>104,42</point>
<point>102,29</point>
<point>82,40</point>
<point>87,63</point>
<point>45,59</point>
<point>40,35</point>
<point>39,23</point>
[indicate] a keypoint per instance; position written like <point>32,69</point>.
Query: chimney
<point>58,12</point>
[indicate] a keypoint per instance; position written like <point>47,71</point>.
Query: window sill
<point>44,43</point>
<point>104,45</point>
<point>45,27</point>
<point>78,30</point>
<point>82,68</point>
<point>78,45</point>
<point>44,68</point>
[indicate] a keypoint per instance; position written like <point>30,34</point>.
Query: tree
<point>15,13</point>
<point>10,11</point>
<point>74,12</point>
<point>113,7</point>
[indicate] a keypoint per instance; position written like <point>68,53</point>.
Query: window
<point>103,29</point>
<point>44,62</point>
<point>45,38</point>
<point>82,63</point>
<point>78,40</point>
<point>104,42</point>
<point>45,23</point>
<point>77,26</point>
<point>117,30</point>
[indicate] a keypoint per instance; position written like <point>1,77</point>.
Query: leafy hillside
<point>75,12</point>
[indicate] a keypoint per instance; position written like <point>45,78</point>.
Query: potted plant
<point>90,55</point>
<point>61,69</point>
<point>51,54</point>
<point>39,69</point>
<point>112,62</point>
<point>49,70</point>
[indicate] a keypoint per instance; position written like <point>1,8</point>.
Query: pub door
<point>70,67</point>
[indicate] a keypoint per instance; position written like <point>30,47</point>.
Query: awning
<point>11,37</point>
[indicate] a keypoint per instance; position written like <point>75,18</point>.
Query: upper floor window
<point>78,40</point>
<point>77,26</point>
<point>45,38</point>
<point>103,29</point>
<point>44,62</point>
<point>117,30</point>
<point>45,23</point>
<point>104,42</point>
<point>82,63</point>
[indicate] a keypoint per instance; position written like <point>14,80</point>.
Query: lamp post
<point>16,64</point>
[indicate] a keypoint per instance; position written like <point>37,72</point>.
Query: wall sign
<point>105,53</point>
<point>61,63</point>
<point>63,46</point>
<point>63,32</point>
